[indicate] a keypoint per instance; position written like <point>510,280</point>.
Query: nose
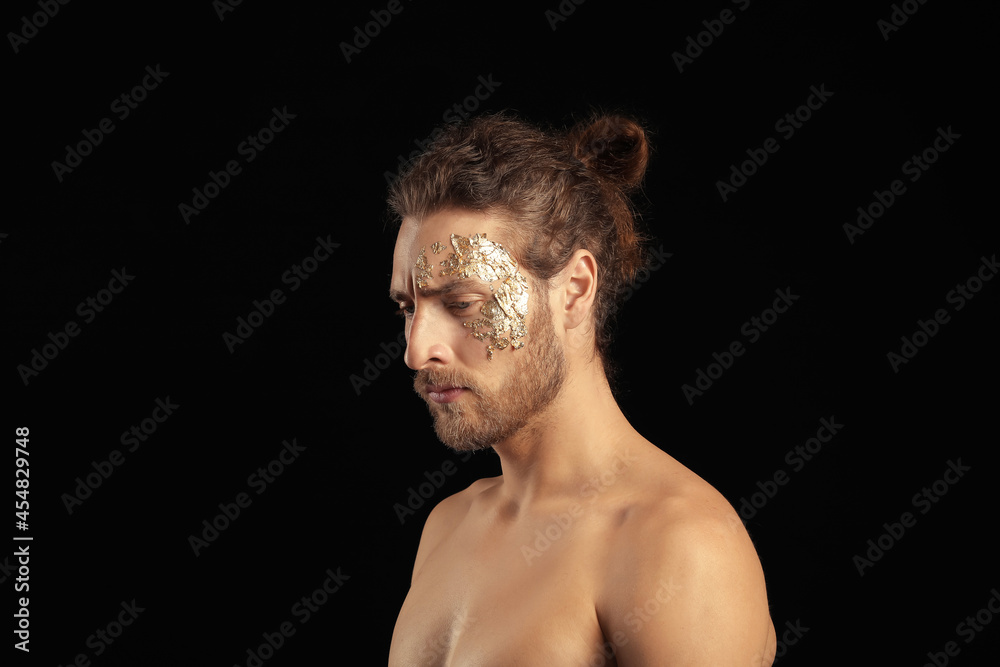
<point>426,341</point>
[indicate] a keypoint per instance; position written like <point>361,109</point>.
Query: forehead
<point>438,227</point>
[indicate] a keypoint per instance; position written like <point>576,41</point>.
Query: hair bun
<point>613,146</point>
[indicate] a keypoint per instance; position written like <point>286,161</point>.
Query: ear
<point>579,288</point>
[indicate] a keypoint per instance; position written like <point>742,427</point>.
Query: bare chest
<point>526,599</point>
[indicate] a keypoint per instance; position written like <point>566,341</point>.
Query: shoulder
<point>686,520</point>
<point>685,583</point>
<point>456,505</point>
<point>446,516</point>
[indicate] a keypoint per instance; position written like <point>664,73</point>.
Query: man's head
<point>496,215</point>
<point>465,301</point>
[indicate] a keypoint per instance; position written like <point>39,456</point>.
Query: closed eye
<point>406,310</point>
<point>462,308</point>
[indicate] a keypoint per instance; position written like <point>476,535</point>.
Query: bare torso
<point>494,584</point>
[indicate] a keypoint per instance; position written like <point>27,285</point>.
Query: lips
<point>442,393</point>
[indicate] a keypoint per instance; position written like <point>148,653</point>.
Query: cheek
<point>503,319</point>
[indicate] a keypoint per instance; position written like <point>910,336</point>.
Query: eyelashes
<point>457,307</point>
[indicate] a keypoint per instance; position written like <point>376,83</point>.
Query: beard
<point>494,415</point>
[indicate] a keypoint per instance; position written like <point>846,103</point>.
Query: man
<point>594,547</point>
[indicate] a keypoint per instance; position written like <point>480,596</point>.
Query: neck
<point>581,435</point>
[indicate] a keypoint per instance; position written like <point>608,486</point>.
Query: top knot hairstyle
<point>559,192</point>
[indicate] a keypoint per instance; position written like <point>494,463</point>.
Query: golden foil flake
<point>437,247</point>
<point>426,271</point>
<point>503,319</point>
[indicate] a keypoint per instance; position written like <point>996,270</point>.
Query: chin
<point>464,432</point>
<point>461,438</point>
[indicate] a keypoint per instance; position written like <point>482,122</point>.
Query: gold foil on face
<point>503,319</point>
<point>426,272</point>
<point>437,247</point>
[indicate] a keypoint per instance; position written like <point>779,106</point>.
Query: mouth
<point>441,393</point>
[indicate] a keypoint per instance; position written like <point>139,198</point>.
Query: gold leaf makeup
<point>503,319</point>
<point>424,266</point>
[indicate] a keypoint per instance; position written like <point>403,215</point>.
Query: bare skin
<point>594,547</point>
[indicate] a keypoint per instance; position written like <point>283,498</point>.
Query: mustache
<point>425,378</point>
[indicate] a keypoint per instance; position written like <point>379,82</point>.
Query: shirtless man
<point>594,547</point>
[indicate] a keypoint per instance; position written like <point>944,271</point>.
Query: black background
<point>367,444</point>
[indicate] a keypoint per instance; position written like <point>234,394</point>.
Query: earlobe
<point>580,288</point>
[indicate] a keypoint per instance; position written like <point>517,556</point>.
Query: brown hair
<point>560,190</point>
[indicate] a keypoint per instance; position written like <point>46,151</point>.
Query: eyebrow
<point>431,292</point>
